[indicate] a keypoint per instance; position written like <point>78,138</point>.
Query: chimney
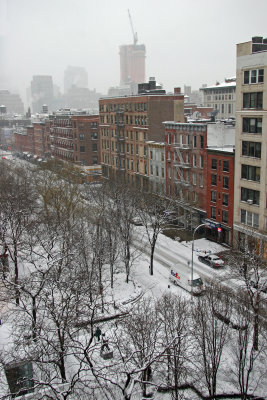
<point>177,90</point>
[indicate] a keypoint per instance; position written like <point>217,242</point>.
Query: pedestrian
<point>98,333</point>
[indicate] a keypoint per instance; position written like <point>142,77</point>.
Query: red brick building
<point>86,139</point>
<point>186,169</point>
<point>75,138</point>
<point>127,123</point>
<point>220,194</point>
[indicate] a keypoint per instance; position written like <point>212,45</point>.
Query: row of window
<point>254,76</point>
<point>82,148</point>
<point>215,162</point>
<point>213,214</point>
<point>251,149</point>
<point>225,181</point>
<point>252,100</point>
<point>224,108</point>
<point>221,97</point>
<point>252,125</point>
<point>94,136</point>
<point>123,107</point>
<point>224,197</point>
<point>127,120</point>
<point>124,134</point>
<point>156,171</point>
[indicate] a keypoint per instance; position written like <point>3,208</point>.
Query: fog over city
<point>188,43</point>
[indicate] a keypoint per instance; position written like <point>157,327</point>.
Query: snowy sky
<point>188,42</point>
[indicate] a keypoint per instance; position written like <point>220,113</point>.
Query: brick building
<point>86,139</point>
<point>186,169</point>
<point>75,138</point>
<point>127,123</point>
<point>220,194</point>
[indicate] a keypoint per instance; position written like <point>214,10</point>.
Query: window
<point>250,195</point>
<point>252,125</point>
<point>225,182</point>
<point>201,161</point>
<point>94,135</point>
<point>131,148</point>
<point>225,216</point>
<point>213,180</point>
<point>251,149</point>
<point>128,147</point>
<point>225,199</point>
<point>213,196</point>
<point>82,149</point>
<point>136,135</point>
<point>136,149</point>
<point>195,141</point>
<point>95,160</point>
<point>222,108</point>
<point>253,76</point>
<point>214,163</point>
<point>202,142</point>
<point>162,172</point>
<point>229,109</point>
<point>226,166</point>
<point>252,100</point>
<point>213,212</point>
<point>169,138</point>
<point>94,146</point>
<point>250,172</point>
<point>194,160</point>
<point>157,171</point>
<point>249,218</point>
<point>201,180</point>
<point>162,157</point>
<point>81,136</point>
<point>194,178</point>
<point>151,155</point>
<point>151,169</point>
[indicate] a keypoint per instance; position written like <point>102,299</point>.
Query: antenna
<point>134,33</point>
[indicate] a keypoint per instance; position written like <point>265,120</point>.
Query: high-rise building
<point>12,102</point>
<point>250,213</point>
<point>75,76</point>
<point>132,63</point>
<point>42,92</point>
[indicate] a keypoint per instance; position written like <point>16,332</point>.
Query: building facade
<point>75,138</point>
<point>42,92</point>
<point>250,205</point>
<point>156,156</point>
<point>222,97</point>
<point>127,123</point>
<point>132,63</point>
<point>75,76</point>
<point>220,194</point>
<point>12,102</point>
<point>186,169</point>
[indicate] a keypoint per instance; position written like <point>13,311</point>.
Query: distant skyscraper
<point>75,76</point>
<point>132,63</point>
<point>42,92</point>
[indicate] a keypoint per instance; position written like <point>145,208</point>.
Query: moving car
<point>181,276</point>
<point>212,260</point>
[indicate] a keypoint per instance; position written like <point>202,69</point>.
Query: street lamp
<point>192,266</point>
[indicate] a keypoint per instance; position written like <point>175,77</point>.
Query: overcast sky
<point>187,42</point>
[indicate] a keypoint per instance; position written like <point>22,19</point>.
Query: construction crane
<point>135,38</point>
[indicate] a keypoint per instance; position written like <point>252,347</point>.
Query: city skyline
<point>184,46</point>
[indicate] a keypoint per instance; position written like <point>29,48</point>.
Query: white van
<point>180,275</point>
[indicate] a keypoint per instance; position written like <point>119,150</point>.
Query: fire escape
<point>120,141</point>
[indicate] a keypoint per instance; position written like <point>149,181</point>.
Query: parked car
<point>212,260</point>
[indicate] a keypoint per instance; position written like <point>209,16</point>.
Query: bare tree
<point>210,333</point>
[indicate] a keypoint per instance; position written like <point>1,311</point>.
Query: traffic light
<point>219,230</point>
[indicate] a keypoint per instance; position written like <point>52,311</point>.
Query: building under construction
<point>132,61</point>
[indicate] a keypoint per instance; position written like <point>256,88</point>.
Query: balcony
<point>181,164</point>
<point>182,146</point>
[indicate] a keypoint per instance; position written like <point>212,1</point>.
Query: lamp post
<point>192,266</point>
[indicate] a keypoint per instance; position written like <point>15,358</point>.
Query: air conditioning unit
<point>250,201</point>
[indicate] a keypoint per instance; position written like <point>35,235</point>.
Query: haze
<point>187,42</point>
